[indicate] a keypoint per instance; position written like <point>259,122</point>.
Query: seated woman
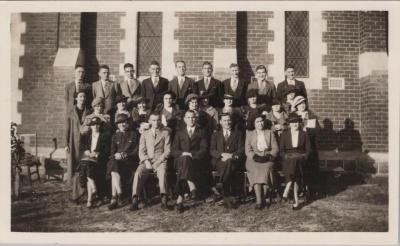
<point>294,149</point>
<point>261,149</point>
<point>95,150</point>
<point>169,111</point>
<point>98,111</point>
<point>140,115</point>
<point>252,109</point>
<point>309,124</point>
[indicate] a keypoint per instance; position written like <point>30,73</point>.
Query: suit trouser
<point>226,171</point>
<point>141,175</point>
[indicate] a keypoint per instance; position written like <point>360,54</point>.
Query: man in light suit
<point>181,85</point>
<point>290,80</point>
<point>210,86</point>
<point>130,87</point>
<point>154,87</point>
<point>105,89</point>
<point>77,85</point>
<point>154,150</point>
<point>235,86</point>
<point>266,89</point>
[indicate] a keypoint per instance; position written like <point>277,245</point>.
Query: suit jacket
<point>214,91</point>
<point>251,145</point>
<point>283,86</point>
<point>240,93</point>
<point>102,146</point>
<point>268,96</point>
<point>123,89</point>
<point>70,90</point>
<point>109,94</point>
<point>158,149</point>
<point>181,93</point>
<point>234,145</point>
<point>127,142</point>
<point>154,95</point>
<point>197,145</point>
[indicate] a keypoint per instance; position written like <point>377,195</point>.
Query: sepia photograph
<point>184,119</point>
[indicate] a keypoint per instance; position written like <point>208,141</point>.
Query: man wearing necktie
<point>290,80</point>
<point>210,86</point>
<point>181,85</point>
<point>74,87</point>
<point>130,87</point>
<point>266,89</point>
<point>154,151</point>
<point>227,151</point>
<point>105,89</point>
<point>154,87</point>
<point>235,86</point>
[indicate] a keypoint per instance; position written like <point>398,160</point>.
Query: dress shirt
<point>207,81</point>
<point>234,83</point>
<point>290,82</point>
<point>155,81</point>
<point>295,138</point>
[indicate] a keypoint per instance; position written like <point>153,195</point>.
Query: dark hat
<point>191,97</point>
<point>289,89</point>
<point>121,118</point>
<point>228,96</point>
<point>275,102</point>
<point>251,93</point>
<point>97,101</point>
<point>120,98</point>
<point>293,118</point>
<point>95,121</point>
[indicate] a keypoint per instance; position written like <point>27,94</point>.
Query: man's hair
<point>128,65</point>
<point>225,114</point>
<point>154,63</point>
<point>233,65</point>
<point>207,63</point>
<point>261,67</point>
<point>78,66</point>
<point>156,113</point>
<point>178,61</point>
<point>104,67</point>
<point>190,111</point>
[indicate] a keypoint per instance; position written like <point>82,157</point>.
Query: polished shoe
<point>164,201</point>
<point>89,204</point>
<point>193,194</point>
<point>179,208</point>
<point>134,205</point>
<point>113,205</point>
<point>298,207</point>
<point>284,199</point>
<point>258,207</point>
<point>216,198</point>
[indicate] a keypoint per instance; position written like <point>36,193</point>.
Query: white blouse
<point>295,138</point>
<point>261,142</point>
<point>95,138</point>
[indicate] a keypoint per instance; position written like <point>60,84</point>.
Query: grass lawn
<point>354,203</point>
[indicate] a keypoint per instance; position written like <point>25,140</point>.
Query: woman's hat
<point>228,96</point>
<point>275,102</point>
<point>293,118</point>
<point>97,101</point>
<point>190,97</point>
<point>121,118</point>
<point>139,100</point>
<point>173,95</point>
<point>289,89</point>
<point>251,93</point>
<point>120,98</point>
<point>298,100</point>
<point>95,121</point>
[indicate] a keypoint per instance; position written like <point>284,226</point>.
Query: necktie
<point>226,135</point>
<point>206,82</point>
<point>180,82</point>
<point>155,81</point>
<point>155,134</point>
<point>234,84</point>
<point>190,132</point>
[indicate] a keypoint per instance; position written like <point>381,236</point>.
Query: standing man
<point>154,87</point>
<point>130,87</point>
<point>74,87</point>
<point>189,148</point>
<point>290,80</point>
<point>105,89</point>
<point>266,89</point>
<point>181,85</point>
<point>210,86</point>
<point>235,86</point>
<point>227,151</point>
<point>154,150</point>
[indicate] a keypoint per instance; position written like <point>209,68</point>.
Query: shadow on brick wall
<point>246,71</point>
<point>89,45</point>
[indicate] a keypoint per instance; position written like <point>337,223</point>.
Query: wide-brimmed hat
<point>251,93</point>
<point>228,96</point>
<point>293,118</point>
<point>191,97</point>
<point>275,102</point>
<point>97,101</point>
<point>95,121</point>
<point>289,89</point>
<point>121,98</point>
<point>121,118</point>
<point>298,100</point>
<point>139,100</point>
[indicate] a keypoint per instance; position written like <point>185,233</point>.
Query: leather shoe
<point>134,205</point>
<point>179,208</point>
<point>298,207</point>
<point>113,205</point>
<point>258,207</point>
<point>193,194</point>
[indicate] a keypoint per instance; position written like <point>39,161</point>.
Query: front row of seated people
<point>195,140</point>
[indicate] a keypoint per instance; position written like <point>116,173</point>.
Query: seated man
<point>154,150</point>
<point>227,150</point>
<point>123,158</point>
<point>189,149</point>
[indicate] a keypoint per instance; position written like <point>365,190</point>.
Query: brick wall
<point>69,30</point>
<point>199,33</point>
<point>373,31</point>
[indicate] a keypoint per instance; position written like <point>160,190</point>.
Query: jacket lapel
<point>184,86</point>
<point>99,89</point>
<point>158,137</point>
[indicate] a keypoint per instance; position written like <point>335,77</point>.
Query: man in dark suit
<point>77,85</point>
<point>266,89</point>
<point>290,80</point>
<point>154,87</point>
<point>189,149</point>
<point>130,87</point>
<point>227,151</point>
<point>235,86</point>
<point>105,89</point>
<point>181,85</point>
<point>210,86</point>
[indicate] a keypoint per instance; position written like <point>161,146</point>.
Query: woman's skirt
<point>259,173</point>
<point>293,168</point>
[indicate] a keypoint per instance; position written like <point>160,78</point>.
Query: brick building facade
<point>346,62</point>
